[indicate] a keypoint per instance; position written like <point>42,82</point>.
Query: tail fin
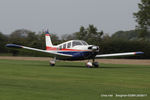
<point>48,40</point>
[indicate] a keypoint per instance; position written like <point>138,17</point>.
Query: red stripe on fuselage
<point>51,48</point>
<point>54,49</point>
<point>47,34</point>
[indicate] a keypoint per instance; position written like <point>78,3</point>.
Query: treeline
<point>27,38</point>
<point>121,41</point>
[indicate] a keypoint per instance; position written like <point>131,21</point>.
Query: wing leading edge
<point>118,54</point>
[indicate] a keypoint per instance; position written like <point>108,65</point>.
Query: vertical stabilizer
<point>48,40</point>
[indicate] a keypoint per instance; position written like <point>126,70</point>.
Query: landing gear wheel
<point>95,64</point>
<point>52,63</point>
<point>89,65</point>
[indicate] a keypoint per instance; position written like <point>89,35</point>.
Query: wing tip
<point>136,53</point>
<point>13,46</point>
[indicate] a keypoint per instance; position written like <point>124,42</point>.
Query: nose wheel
<point>95,64</point>
<point>92,64</point>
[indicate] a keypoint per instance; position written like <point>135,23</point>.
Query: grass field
<point>35,80</point>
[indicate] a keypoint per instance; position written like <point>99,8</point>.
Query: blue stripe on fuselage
<point>77,54</point>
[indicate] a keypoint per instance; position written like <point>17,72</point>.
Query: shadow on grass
<point>79,65</point>
<point>60,65</point>
<point>106,67</point>
<point>129,67</point>
<point>75,66</point>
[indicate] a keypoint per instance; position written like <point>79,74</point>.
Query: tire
<point>95,64</point>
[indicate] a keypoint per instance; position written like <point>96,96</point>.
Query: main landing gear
<point>92,64</point>
<point>52,62</point>
<point>88,64</point>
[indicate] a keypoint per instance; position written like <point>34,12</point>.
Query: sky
<point>67,16</point>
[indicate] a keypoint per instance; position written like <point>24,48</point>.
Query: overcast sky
<point>66,16</point>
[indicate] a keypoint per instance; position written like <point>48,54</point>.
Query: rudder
<point>48,40</point>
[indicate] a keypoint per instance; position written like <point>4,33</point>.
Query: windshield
<point>84,43</point>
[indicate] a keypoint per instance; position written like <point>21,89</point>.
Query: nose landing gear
<point>92,64</point>
<point>95,64</point>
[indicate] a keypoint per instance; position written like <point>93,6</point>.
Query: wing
<point>118,54</point>
<point>49,53</point>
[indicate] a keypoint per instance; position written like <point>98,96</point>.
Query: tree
<point>143,18</point>
<point>55,39</point>
<point>3,40</point>
<point>126,35</point>
<point>23,37</point>
<point>90,35</point>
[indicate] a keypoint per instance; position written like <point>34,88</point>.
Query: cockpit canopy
<point>72,43</point>
<point>78,42</point>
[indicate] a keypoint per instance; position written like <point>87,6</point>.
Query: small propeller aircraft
<point>72,50</point>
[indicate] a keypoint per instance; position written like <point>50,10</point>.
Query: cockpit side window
<point>64,46</point>
<point>74,43</point>
<point>60,47</point>
<point>69,45</point>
